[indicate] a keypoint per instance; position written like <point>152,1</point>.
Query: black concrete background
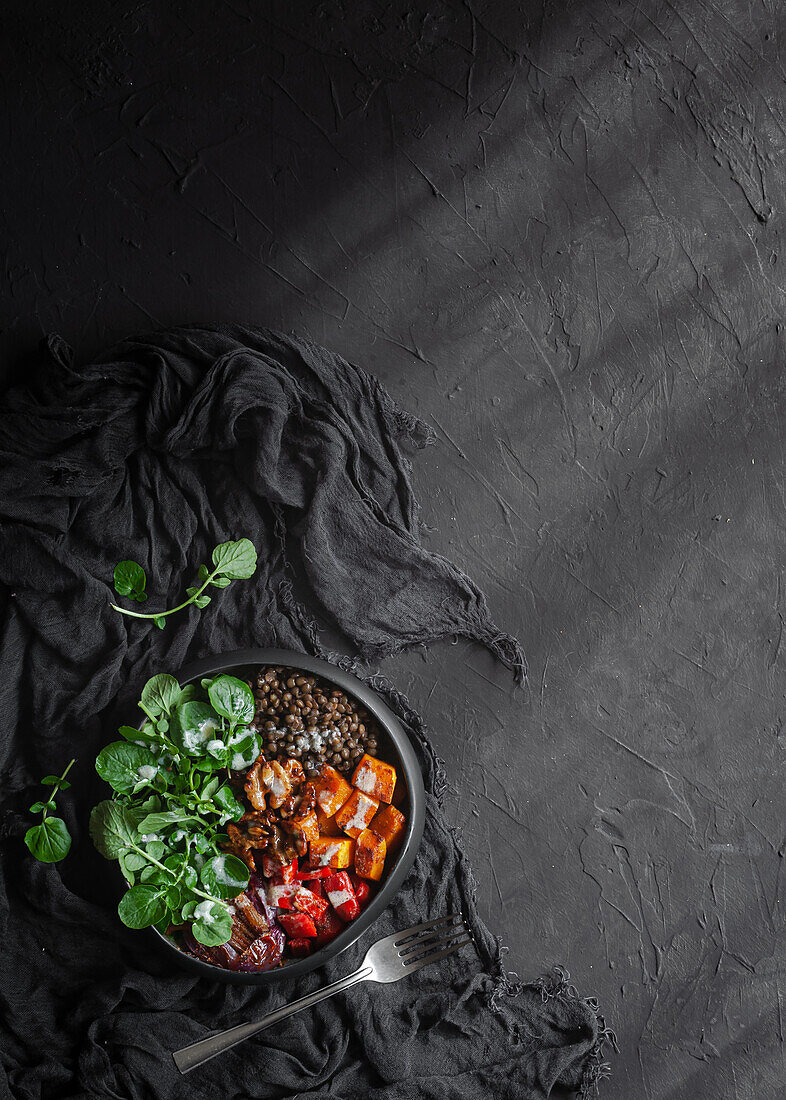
<point>554,231</point>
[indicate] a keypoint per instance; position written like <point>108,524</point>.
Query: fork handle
<point>198,1053</point>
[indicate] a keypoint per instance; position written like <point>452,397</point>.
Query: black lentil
<point>305,717</point>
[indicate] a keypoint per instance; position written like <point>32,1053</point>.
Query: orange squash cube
<point>327,825</point>
<point>375,778</point>
<point>370,851</point>
<point>330,851</point>
<point>309,825</point>
<point>332,789</point>
<point>356,813</point>
<point>389,824</point>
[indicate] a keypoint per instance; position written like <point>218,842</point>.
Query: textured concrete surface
<point>554,231</point>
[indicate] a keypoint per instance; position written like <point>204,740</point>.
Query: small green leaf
<point>214,925</point>
<point>221,582</point>
<point>133,860</point>
<point>37,807</point>
<point>155,848</point>
<point>140,597</point>
<point>193,590</point>
<point>173,897</point>
<point>130,579</point>
<point>202,601</point>
<point>50,841</point>
<point>50,780</point>
<point>160,694</point>
<point>123,764</point>
<point>244,746</point>
<point>187,912</point>
<point>203,573</point>
<point>236,560</point>
<point>142,906</point>
<point>154,823</point>
<point>160,622</point>
<point>197,723</point>
<point>154,876</point>
<point>210,788</point>
<point>112,828</point>
<point>225,798</point>
<point>224,876</point>
<point>232,699</point>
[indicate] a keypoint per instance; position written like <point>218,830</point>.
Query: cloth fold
<point>159,449</point>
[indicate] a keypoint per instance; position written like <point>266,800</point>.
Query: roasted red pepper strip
<point>328,926</point>
<point>285,875</point>
<point>308,902</point>
<point>362,892</point>
<point>318,872</point>
<point>300,946</point>
<point>341,895</point>
<point>281,896</point>
<point>297,925</point>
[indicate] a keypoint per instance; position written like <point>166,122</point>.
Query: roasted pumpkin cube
<point>370,851</point>
<point>375,778</point>
<point>329,851</point>
<point>332,790</point>
<point>356,813</point>
<point>308,825</point>
<point>389,823</point>
<point>327,825</point>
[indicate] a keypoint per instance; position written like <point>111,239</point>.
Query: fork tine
<point>424,943</point>
<point>416,964</point>
<point>406,933</point>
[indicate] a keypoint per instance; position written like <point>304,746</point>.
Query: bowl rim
<point>258,656</point>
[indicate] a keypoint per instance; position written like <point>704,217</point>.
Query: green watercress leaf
<point>244,747</point>
<point>224,876</point>
<point>112,828</point>
<point>226,800</point>
<point>142,906</point>
<point>154,823</point>
<point>235,560</point>
<point>196,724</point>
<point>160,694</point>
<point>187,912</point>
<point>213,925</point>
<point>37,807</point>
<point>130,580</point>
<point>50,841</point>
<point>133,860</point>
<point>123,764</point>
<point>131,733</point>
<point>232,699</point>
<point>210,788</point>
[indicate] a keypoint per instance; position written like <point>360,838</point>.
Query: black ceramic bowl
<point>394,746</point>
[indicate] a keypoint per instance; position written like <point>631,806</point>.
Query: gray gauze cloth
<point>157,451</point>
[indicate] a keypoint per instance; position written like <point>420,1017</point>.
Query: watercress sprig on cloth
<point>50,840</point>
<point>232,561</point>
<point>172,799</point>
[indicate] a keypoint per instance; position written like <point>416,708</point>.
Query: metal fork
<point>388,960</point>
